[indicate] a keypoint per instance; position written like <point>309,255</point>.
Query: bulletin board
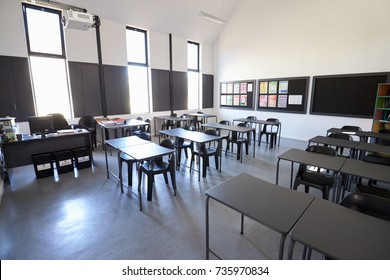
<point>287,95</point>
<point>348,95</point>
<point>237,94</point>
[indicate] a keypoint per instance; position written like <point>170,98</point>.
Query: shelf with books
<point>382,108</point>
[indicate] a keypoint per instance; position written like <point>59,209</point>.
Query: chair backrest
<point>251,118</point>
<point>322,150</point>
<point>340,136</point>
<point>372,205</point>
<point>225,122</point>
<point>212,132</point>
<point>88,121</point>
<point>351,127</point>
<point>144,135</point>
<point>167,143</point>
<point>139,118</point>
<point>236,135</point>
<point>273,129</point>
<point>190,127</point>
<point>59,121</point>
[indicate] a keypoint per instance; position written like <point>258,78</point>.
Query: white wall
<point>276,39</point>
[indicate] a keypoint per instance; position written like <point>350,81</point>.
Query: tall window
<point>45,40</point>
<point>137,59</point>
<point>193,75</point>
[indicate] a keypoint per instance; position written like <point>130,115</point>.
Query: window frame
<point>198,57</point>
<point>146,64</point>
<point>44,9</point>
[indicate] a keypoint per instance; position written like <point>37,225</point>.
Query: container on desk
<point>64,161</point>
<point>43,165</point>
<point>83,158</point>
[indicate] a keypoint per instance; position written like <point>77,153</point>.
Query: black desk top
<point>342,233</point>
<point>273,206</point>
<point>129,123</point>
<point>350,144</point>
<point>195,136</point>
<point>367,170</point>
<point>376,148</point>
<point>146,151</point>
<point>125,142</point>
<point>170,118</point>
<point>229,127</point>
<point>320,160</point>
<point>257,121</point>
<point>202,115</point>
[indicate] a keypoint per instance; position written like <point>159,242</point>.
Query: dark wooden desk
<point>238,129</point>
<point>168,118</point>
<point>275,207</point>
<point>261,123</point>
<point>196,137</point>
<point>315,159</point>
<point>18,153</point>
<point>146,152</point>
<point>341,233</point>
<point>118,143</point>
<point>349,144</point>
<point>105,128</point>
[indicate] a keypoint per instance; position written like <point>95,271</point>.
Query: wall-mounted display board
<point>287,95</point>
<point>351,95</point>
<point>237,94</point>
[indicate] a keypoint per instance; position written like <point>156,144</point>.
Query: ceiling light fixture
<point>211,17</point>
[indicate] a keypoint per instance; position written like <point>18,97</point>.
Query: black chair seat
<point>316,178</point>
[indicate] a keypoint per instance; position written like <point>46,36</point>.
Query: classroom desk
<point>131,124</point>
<point>341,233</point>
<point>18,153</point>
<point>204,117</point>
<point>196,137</point>
<point>118,143</point>
<point>146,152</point>
<point>375,148</point>
<point>313,159</point>
<point>360,134</point>
<point>349,144</point>
<point>261,123</point>
<point>275,207</point>
<point>376,135</point>
<point>168,118</point>
<point>238,129</point>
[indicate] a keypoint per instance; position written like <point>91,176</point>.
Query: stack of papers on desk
<point>66,131</point>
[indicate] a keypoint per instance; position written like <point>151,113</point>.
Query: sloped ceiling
<point>178,17</point>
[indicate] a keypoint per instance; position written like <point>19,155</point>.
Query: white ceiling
<point>178,17</point>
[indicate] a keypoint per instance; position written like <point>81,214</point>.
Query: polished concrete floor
<point>83,215</point>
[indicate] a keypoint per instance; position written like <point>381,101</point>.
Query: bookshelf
<point>381,118</point>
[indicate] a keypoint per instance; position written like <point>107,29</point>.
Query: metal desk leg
<point>105,152</point>
<point>281,246</point>
<point>277,172</point>
<point>207,229</point>
<point>254,142</point>
<point>291,249</point>
<point>292,175</point>
<point>242,224</point>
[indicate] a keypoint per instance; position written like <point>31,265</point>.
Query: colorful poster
<point>250,87</point>
<point>243,88</point>
<point>272,101</point>
<point>244,100</point>
<point>229,100</point>
<point>263,101</point>
<point>263,87</point>
<point>236,88</point>
<point>229,88</point>
<point>273,87</point>
<point>236,100</point>
<point>283,86</point>
<point>223,88</point>
<point>223,100</point>
<point>282,101</point>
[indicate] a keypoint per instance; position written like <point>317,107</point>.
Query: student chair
<point>157,166</point>
<point>236,138</point>
<point>270,131</point>
<point>315,177</point>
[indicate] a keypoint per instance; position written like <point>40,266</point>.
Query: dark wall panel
<point>84,80</point>
<point>160,90</point>
<point>15,88</point>
<point>117,89</point>
<point>207,91</point>
<point>180,90</point>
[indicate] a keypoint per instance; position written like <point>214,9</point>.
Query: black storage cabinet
<point>43,165</point>
<point>64,161</point>
<point>83,157</point>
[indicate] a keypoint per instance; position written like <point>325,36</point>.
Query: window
<point>193,75</point>
<point>138,71</point>
<point>45,41</point>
